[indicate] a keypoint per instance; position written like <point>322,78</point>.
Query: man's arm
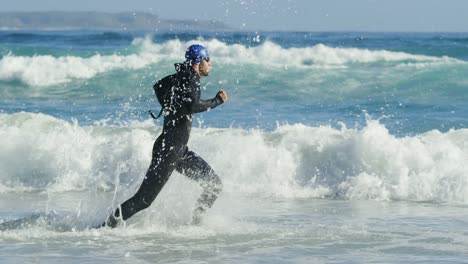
<point>197,105</point>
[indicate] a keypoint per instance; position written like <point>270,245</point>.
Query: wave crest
<point>47,70</point>
<point>40,152</point>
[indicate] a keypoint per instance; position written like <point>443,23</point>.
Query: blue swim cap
<point>196,53</point>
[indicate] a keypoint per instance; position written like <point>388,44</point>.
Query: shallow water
<point>269,230</point>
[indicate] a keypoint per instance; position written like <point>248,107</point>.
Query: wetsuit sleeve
<point>197,105</point>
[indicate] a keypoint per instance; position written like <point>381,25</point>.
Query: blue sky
<point>307,15</point>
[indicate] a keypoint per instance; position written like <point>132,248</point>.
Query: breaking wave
<point>48,70</point>
<point>42,153</point>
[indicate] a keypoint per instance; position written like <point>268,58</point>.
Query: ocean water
<point>333,148</point>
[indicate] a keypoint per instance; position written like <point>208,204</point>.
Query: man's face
<point>205,67</point>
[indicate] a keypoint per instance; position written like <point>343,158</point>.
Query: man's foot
<point>197,215</point>
<point>111,222</point>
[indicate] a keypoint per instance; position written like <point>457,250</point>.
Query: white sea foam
<point>47,70</point>
<point>47,154</point>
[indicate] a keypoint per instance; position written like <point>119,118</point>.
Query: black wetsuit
<point>170,149</point>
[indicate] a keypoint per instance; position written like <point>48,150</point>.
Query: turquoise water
<point>311,78</point>
<point>333,147</point>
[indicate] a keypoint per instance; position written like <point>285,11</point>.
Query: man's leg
<point>195,168</point>
<point>161,168</point>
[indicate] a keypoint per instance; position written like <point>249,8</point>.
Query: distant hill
<point>100,21</point>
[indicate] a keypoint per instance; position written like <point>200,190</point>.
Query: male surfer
<point>179,95</point>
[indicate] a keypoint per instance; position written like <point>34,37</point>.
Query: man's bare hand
<point>223,95</point>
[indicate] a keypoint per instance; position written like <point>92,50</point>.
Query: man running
<point>179,95</point>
